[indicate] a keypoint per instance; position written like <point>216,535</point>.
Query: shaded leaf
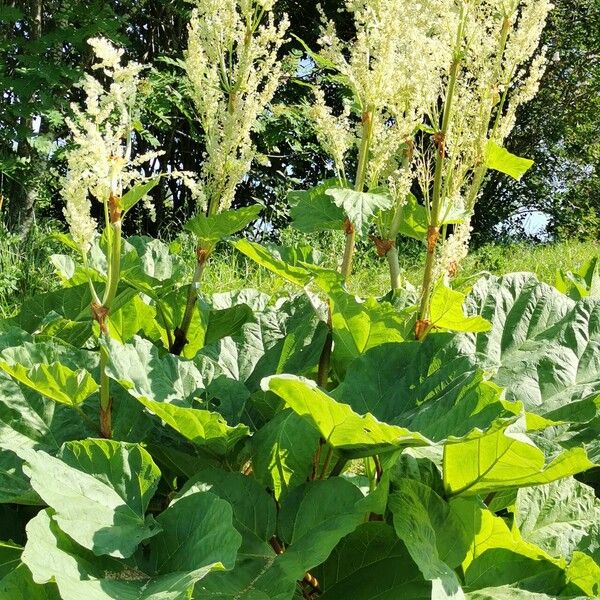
<point>100,491</point>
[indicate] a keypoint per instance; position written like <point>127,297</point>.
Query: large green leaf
<point>434,536</point>
<point>54,380</point>
<point>16,582</point>
<point>256,574</point>
<point>205,429</point>
<point>99,490</point>
<point>369,563</point>
<point>429,387</point>
<point>27,421</point>
<point>359,325</point>
<point>154,377</point>
<point>500,159</point>
<point>149,266</point>
<point>360,207</point>
<point>314,518</point>
<point>298,272</point>
<point>145,372</point>
<point>197,537</point>
<point>499,556</point>
<point>447,312</point>
<point>254,510</point>
<point>197,532</point>
<point>285,338</point>
<point>543,347</point>
<point>283,452</point>
<point>561,517</point>
<point>355,435</point>
<point>211,230</point>
<point>504,457</point>
<point>14,484</point>
<point>313,210</point>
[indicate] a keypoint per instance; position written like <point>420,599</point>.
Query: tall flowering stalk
<point>392,68</point>
<point>494,70</point>
<point>101,168</point>
<point>234,68</point>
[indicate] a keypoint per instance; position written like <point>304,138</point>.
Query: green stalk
<point>101,313</point>
<point>181,332</point>
<point>391,255</point>
<point>436,202</point>
<point>346,268</point>
<point>359,186</point>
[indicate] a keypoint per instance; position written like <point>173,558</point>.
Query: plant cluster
<point>157,443</point>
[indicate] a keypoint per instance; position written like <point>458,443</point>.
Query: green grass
<point>370,277</point>
<point>25,267</point>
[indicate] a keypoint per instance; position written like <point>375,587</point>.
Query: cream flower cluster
<point>233,66</point>
<point>394,68</point>
<point>499,71</point>
<point>100,162</point>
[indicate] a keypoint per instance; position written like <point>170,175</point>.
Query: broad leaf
<point>285,338</point>
<point>197,537</point>
<point>314,211</point>
<point>16,582</point>
<point>447,312</point>
<point>196,532</point>
<point>369,563</point>
<point>504,457</point>
<point>360,207</point>
<point>291,264</point>
<point>54,380</point>
<point>148,266</point>
<point>205,429</point>
<point>429,387</point>
<point>211,230</point>
<point>543,348</point>
<point>560,517</point>
<point>342,428</point>
<point>500,159</point>
<point>100,491</point>
<point>313,519</point>
<point>499,556</point>
<point>283,452</point>
<point>434,537</point>
<point>358,325</point>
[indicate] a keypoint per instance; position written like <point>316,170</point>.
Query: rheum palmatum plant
<point>102,168</point>
<point>393,69</point>
<point>494,70</point>
<point>234,68</point>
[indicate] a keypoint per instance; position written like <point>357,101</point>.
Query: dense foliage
<point>439,441</point>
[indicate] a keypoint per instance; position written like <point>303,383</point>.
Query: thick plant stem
<point>180,338</point>
<point>105,399</point>
<point>394,267</point>
<point>433,231</point>
<point>359,186</point>
<point>346,268</point>
<point>101,313</point>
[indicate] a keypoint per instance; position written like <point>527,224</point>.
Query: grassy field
<point>26,269</point>
<point>228,271</point>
